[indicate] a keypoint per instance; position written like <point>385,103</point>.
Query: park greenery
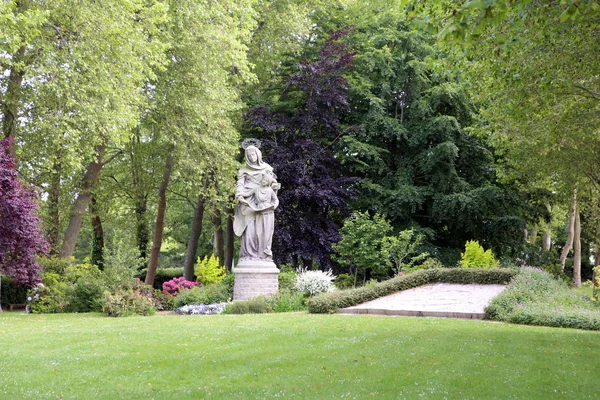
<point>410,139</point>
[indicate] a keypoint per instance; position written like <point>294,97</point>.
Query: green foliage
<point>127,302</point>
<point>361,245</point>
<point>403,250</point>
<point>255,305</point>
<point>55,264</point>
<point>208,271</point>
<point>430,263</point>
<point>286,300</point>
<point>209,294</point>
<point>229,283</point>
<point>475,257</point>
<point>287,279</point>
<point>87,295</point>
<point>330,302</point>
<point>534,297</point>
<point>53,295</point>
<point>344,281</point>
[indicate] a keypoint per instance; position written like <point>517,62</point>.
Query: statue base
<point>255,278</point>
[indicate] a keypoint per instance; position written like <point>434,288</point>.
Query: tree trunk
<point>98,238</point>
<point>12,97</point>
<point>142,233</point>
<point>532,236</point>
<point>595,269</point>
<point>219,248</point>
<point>54,208</point>
<point>546,240</point>
<point>229,240</point>
<point>81,203</point>
<point>160,219</point>
<point>192,247</point>
<point>570,232</point>
<point>577,240</point>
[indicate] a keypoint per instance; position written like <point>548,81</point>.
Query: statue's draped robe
<point>254,227</point>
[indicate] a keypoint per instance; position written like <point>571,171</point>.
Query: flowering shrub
<point>176,285</point>
<point>202,309</point>
<point>127,302</point>
<point>313,283</point>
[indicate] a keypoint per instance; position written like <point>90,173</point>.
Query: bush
<point>330,302</point>
<point>286,301</point>
<point>255,305</point>
<point>55,264</point>
<point>287,280</point>
<point>127,302</point>
<point>51,296</point>
<point>215,293</point>
<point>534,297</point>
<point>208,270</point>
<point>475,257</point>
<point>229,282</point>
<point>176,285</point>
<point>344,281</point>
<point>87,295</point>
<point>312,283</point>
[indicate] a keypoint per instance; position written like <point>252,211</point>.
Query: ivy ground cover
<point>291,356</point>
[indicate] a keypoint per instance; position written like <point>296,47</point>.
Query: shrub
<point>127,302</point>
<point>534,297</point>
<point>286,300</point>
<point>312,283</point>
<point>55,264</point>
<point>403,250</point>
<point>287,280</point>
<point>255,305</point>
<point>208,270</point>
<point>215,293</point>
<point>475,257</point>
<point>229,282</point>
<point>49,297</point>
<point>344,281</point>
<point>176,285</point>
<point>87,295</point>
<point>330,302</point>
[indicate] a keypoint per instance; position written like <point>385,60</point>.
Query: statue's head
<point>253,156</point>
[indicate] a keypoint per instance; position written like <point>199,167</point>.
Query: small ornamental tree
<point>20,236</point>
<point>476,257</point>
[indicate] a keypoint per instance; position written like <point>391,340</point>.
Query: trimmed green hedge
<point>330,302</point>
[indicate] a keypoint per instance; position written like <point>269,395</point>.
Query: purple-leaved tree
<point>297,135</point>
<point>20,237</point>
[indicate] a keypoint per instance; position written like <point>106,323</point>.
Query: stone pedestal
<point>255,278</point>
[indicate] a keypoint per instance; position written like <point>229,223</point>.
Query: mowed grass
<point>89,356</point>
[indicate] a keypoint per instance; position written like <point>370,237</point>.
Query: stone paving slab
<point>446,300</point>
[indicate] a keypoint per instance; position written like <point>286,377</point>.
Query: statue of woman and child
<point>256,201</point>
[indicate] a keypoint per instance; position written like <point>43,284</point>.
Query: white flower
<point>314,282</point>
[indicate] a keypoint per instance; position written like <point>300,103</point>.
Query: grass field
<point>89,356</point>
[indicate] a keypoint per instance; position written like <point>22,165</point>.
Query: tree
<point>297,132</point>
<point>20,237</point>
<point>361,247</point>
<point>410,137</point>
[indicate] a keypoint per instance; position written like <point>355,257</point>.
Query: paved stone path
<point>434,300</point>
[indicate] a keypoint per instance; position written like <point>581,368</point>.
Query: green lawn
<point>291,356</point>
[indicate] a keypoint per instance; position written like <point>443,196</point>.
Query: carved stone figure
<point>256,195</point>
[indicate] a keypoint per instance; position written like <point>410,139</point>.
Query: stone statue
<point>256,200</point>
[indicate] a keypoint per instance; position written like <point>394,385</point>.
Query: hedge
<point>331,302</point>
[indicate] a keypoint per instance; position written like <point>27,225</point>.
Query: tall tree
<point>298,131</point>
